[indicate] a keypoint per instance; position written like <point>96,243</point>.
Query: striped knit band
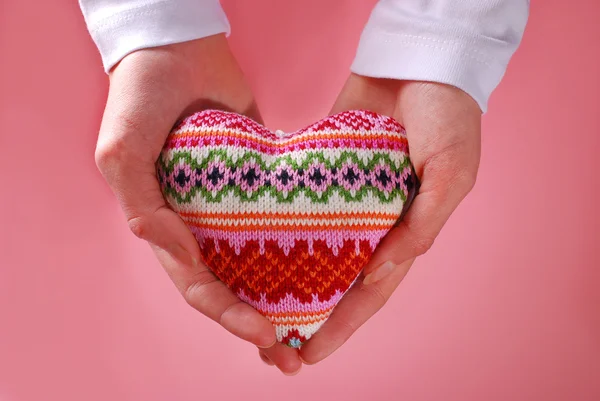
<point>288,220</point>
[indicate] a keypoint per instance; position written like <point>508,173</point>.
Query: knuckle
<point>199,288</point>
<point>423,244</point>
<point>465,182</point>
<point>456,185</point>
<point>420,242</point>
<point>346,328</point>
<point>109,154</point>
<point>204,277</point>
<point>229,308</point>
<point>377,295</point>
<point>456,168</point>
<point>139,226</point>
<point>190,293</point>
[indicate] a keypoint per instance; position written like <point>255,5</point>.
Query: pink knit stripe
<point>291,304</point>
<point>181,143</point>
<point>333,239</point>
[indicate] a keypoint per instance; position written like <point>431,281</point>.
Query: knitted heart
<point>288,220</point>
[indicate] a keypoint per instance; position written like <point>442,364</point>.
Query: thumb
<point>445,150</point>
<point>441,192</point>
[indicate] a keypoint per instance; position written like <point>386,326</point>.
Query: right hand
<point>150,90</point>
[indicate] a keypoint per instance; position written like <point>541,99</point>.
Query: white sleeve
<point>119,27</point>
<point>464,43</point>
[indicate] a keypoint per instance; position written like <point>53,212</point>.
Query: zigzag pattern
<point>250,177</point>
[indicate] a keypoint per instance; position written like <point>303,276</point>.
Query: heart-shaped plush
<point>288,220</point>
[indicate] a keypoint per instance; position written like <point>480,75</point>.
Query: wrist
<point>188,76</point>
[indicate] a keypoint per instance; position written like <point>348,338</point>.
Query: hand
<point>443,125</point>
<point>149,91</point>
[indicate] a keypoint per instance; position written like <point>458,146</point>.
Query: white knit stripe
<point>301,204</point>
<point>306,330</point>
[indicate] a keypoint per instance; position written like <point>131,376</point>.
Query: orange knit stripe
<point>296,322</point>
<point>291,141</point>
<point>295,314</point>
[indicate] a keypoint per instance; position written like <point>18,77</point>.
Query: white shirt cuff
<point>466,43</point>
<point>119,27</point>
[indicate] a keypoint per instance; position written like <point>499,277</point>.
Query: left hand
<point>443,125</point>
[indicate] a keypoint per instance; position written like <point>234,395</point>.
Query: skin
<point>152,88</point>
<point>149,91</point>
<point>443,126</point>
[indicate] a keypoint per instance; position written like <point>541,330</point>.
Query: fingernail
<point>267,346</point>
<point>179,253</point>
<point>381,272</point>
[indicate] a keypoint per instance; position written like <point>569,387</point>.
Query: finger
<point>148,93</point>
<point>388,266</point>
<point>446,179</point>
<point>416,233</point>
<point>149,218</point>
<point>210,296</point>
<point>285,358</point>
<point>444,186</point>
<point>357,306</point>
<point>135,184</point>
<point>443,125</point>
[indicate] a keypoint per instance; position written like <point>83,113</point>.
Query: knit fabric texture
<point>288,220</point>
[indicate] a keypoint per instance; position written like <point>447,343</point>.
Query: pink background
<point>504,307</point>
